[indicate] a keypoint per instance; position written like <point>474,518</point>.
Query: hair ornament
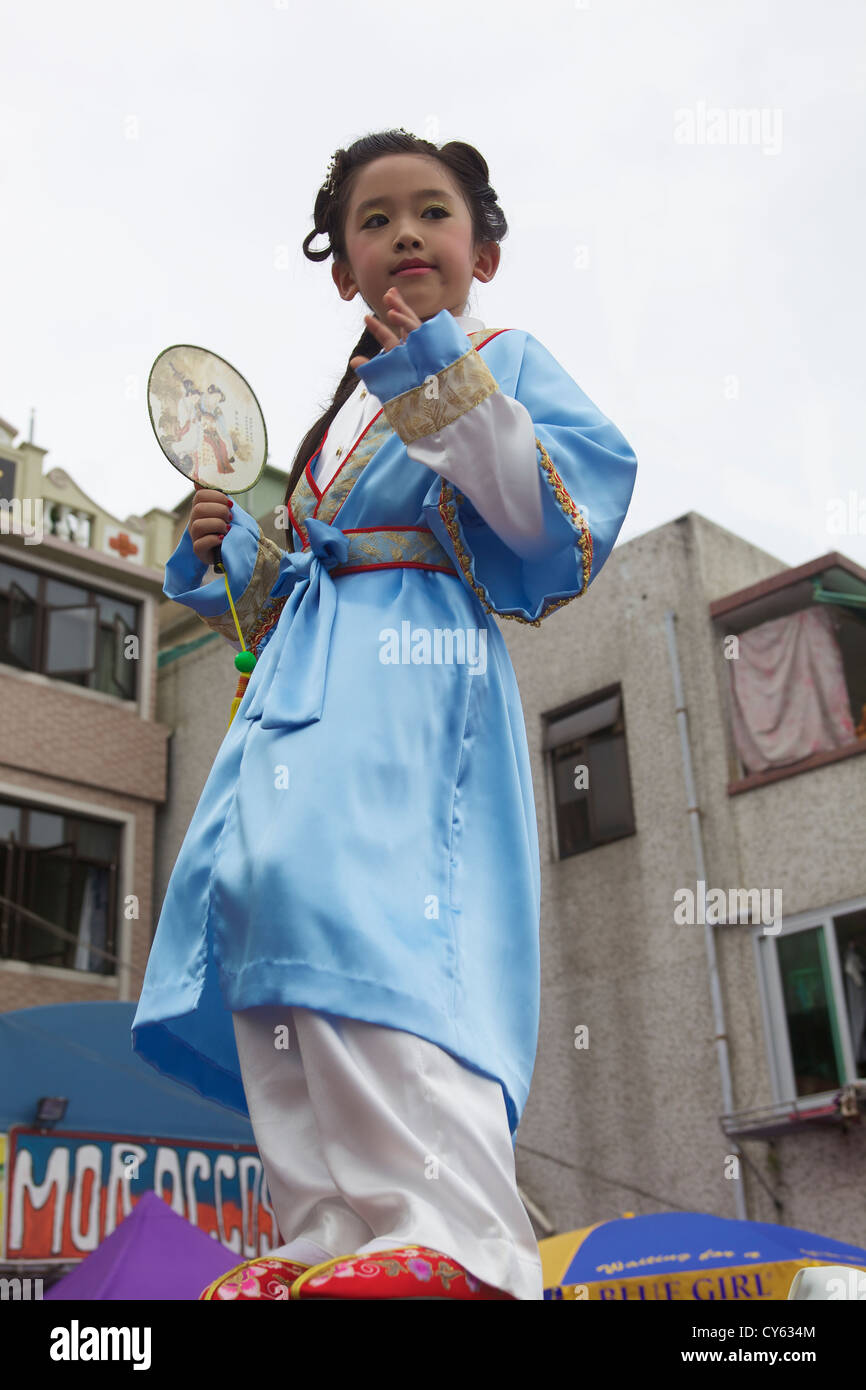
<point>334,172</point>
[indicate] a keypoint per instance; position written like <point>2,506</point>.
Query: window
<point>796,676</point>
<point>815,975</point>
<point>68,631</point>
<point>798,687</point>
<point>586,749</point>
<point>63,869</point>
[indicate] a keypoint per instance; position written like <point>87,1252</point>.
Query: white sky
<point>159,165</point>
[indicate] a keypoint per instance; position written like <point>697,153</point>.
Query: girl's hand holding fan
<point>210,427</point>
<point>209,522</point>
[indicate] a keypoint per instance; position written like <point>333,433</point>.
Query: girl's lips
<point>416,270</point>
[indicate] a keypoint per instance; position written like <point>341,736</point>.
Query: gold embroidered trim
<point>268,618</point>
<point>303,503</point>
<point>448,512</point>
<point>251,602</point>
<point>459,387</point>
<point>575,516</point>
<point>395,546</point>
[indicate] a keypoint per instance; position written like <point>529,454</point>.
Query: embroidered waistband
<point>370,547</point>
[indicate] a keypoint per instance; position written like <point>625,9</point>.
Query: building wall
<point>632,1123</point>
<point>65,746</point>
<point>196,690</point>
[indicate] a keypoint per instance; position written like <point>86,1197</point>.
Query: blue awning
<point>84,1052</point>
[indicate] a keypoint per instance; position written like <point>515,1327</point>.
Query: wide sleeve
<point>252,563</point>
<point>534,481</point>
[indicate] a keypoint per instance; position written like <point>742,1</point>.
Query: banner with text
<point>66,1191</point>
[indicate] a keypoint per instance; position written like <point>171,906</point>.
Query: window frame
<point>553,716</point>
<point>775,1020</point>
<point>119,983</point>
<point>121,594</point>
<point>727,614</point>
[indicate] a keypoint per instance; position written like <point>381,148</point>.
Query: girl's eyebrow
<point>419,193</point>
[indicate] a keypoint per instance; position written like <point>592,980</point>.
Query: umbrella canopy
<point>675,1255</point>
<point>154,1254</point>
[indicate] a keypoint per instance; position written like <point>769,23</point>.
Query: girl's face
<point>393,216</point>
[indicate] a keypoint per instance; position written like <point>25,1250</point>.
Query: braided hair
<point>470,172</point>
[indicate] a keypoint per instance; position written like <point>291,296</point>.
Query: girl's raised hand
<point>404,319</point>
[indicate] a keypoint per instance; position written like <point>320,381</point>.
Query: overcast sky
<point>698,274</point>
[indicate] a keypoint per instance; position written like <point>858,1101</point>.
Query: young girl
<point>348,950</point>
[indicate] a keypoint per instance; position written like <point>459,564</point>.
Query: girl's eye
<point>433,208</point>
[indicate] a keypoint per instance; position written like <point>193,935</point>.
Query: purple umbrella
<point>153,1254</point>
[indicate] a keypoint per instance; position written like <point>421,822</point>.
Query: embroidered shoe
<point>406,1272</point>
<point>269,1277</point>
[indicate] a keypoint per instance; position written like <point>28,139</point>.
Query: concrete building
<point>82,754</point>
<point>646,1091</point>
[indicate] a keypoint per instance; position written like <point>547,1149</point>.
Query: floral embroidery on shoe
<point>243,1285</point>
<point>345,1270</point>
<point>416,1262</point>
<point>250,1283</point>
<point>258,1279</point>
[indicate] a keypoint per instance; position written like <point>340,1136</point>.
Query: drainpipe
<point>541,1219</point>
<point>709,938</point>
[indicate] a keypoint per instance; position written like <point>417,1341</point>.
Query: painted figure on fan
<point>216,430</point>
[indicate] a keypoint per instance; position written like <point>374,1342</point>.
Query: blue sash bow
<point>287,686</point>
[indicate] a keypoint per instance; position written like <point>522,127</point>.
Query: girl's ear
<point>344,280</point>
<point>487,261</point>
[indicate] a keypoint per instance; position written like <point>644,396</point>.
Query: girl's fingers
<point>404,316</point>
<point>208,521</point>
<point>379,329</point>
<point>205,510</point>
<point>399,306</point>
<point>407,320</point>
<point>208,526</point>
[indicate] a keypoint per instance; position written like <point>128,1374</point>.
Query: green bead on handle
<point>245,661</point>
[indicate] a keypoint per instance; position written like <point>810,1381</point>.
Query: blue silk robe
<point>366,841</point>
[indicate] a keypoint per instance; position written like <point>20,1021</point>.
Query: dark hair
<point>469,170</point>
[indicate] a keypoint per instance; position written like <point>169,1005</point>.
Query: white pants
<point>371,1137</point>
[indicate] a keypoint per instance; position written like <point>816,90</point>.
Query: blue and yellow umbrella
<point>676,1255</point>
